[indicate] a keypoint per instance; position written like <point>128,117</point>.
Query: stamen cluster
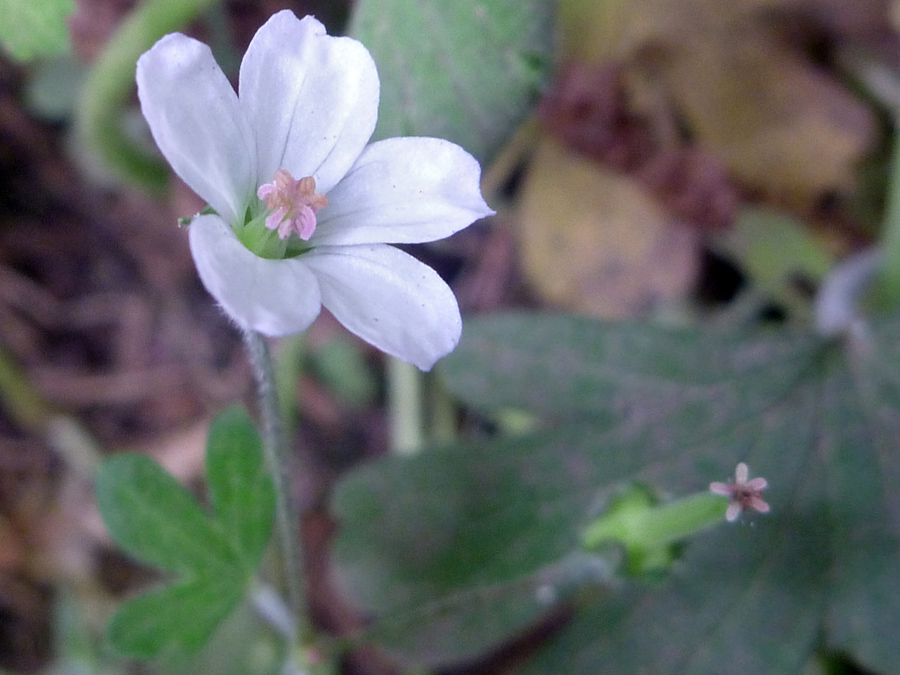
<point>293,204</point>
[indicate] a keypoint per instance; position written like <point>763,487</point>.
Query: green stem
<point>645,527</point>
<point>98,115</point>
<point>890,240</point>
<point>405,407</point>
<point>276,447</point>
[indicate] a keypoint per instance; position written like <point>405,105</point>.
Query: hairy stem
<point>276,448</point>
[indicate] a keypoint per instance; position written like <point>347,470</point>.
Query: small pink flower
<point>742,494</point>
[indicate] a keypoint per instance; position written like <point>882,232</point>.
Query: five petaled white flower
<point>742,494</point>
<point>304,208</point>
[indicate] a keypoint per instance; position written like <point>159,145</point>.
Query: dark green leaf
<point>746,598</point>
<point>416,530</point>
<point>155,519</point>
<point>468,71</point>
<point>571,367</point>
<point>465,624</point>
<point>176,620</point>
<point>672,409</point>
<point>239,484</point>
<point>430,543</point>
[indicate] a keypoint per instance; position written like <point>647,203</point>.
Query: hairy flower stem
<point>276,448</point>
<point>890,238</point>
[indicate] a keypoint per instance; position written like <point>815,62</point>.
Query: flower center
<point>292,204</point>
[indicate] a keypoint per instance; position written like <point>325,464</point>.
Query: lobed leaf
<point>672,409</point>
<point>154,518</point>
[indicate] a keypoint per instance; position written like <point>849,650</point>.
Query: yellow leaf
<point>780,124</point>
<point>595,242</point>
<point>784,126</point>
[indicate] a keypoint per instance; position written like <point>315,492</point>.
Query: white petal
<point>389,299</point>
<point>404,191</point>
<point>312,99</point>
<point>273,297</point>
<point>197,123</point>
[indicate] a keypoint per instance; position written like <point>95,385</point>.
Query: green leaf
<point>240,486</point>
<point>34,28</point>
<point>670,409</point>
<point>155,519</point>
<point>429,543</point>
<point>758,600</point>
<point>573,368</point>
<point>773,247</point>
<point>466,624</point>
<point>243,644</point>
<point>468,71</point>
<point>176,620</point>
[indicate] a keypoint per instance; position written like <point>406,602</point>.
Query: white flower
<point>305,210</point>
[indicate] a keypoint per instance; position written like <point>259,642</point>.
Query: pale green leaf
<point>34,28</point>
<point>468,71</point>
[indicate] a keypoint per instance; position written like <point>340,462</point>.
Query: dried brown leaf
<point>595,242</point>
<point>785,126</point>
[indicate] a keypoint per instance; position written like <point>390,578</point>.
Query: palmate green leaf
<point>154,518</point>
<point>239,484</point>
<point>34,28</point>
<point>468,71</point>
<point>817,419</point>
<point>824,563</point>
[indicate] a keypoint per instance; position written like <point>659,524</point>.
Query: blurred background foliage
<point>674,181</point>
